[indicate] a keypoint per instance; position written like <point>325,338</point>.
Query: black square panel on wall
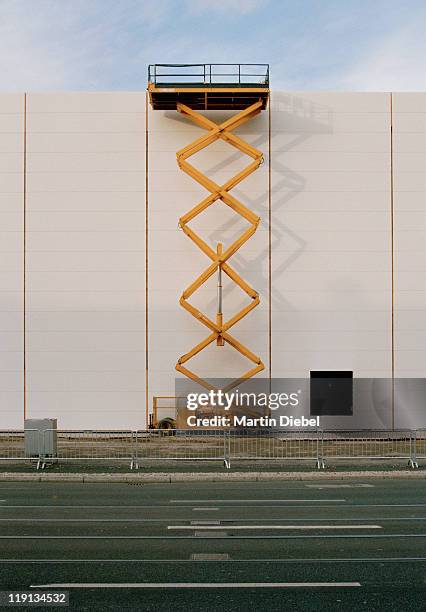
<point>331,393</point>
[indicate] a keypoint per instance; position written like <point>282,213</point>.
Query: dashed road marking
<point>209,557</point>
<point>204,509</point>
<point>210,534</point>
<point>287,527</point>
<point>256,501</point>
<point>339,486</point>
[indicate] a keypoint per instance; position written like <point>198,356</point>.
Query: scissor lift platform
<point>208,86</point>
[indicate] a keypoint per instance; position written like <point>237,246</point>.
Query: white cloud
<point>106,44</point>
<point>43,46</point>
<point>240,7</point>
<point>75,45</point>
<point>397,63</point>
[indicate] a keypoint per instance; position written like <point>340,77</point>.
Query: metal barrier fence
<point>12,445</point>
<point>281,445</point>
<point>183,445</point>
<point>368,444</point>
<point>420,445</point>
<point>78,445</point>
<point>137,447</point>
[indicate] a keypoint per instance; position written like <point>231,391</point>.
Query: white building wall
<point>11,260</point>
<point>85,259</point>
<point>85,274</point>
<point>409,155</point>
<point>331,233</point>
<point>331,255</point>
<point>409,137</point>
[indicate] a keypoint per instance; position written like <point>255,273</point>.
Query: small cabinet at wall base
<point>41,437</point>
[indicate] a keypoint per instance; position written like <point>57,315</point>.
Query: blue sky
<point>374,45</point>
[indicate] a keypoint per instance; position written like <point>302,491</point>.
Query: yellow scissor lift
<point>190,88</point>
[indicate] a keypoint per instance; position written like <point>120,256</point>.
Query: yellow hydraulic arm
<point>219,329</point>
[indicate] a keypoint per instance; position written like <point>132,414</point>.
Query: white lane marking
<point>257,501</point>
<point>209,557</point>
<point>132,520</point>
<point>340,486</point>
<point>97,507</point>
<point>193,585</point>
<point>58,507</point>
<point>210,534</point>
<point>307,560</point>
<point>205,509</point>
<point>389,536</point>
<point>224,520</point>
<point>305,527</point>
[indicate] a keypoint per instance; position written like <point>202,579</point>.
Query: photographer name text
<point>245,421</point>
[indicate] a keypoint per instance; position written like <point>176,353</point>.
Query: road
<point>299,545</point>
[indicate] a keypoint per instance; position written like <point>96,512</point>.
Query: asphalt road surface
<point>308,545</point>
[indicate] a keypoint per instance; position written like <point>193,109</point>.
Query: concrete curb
<point>164,477</point>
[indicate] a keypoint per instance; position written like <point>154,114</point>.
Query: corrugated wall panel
<point>11,260</point>
<point>331,233</point>
<point>409,144</point>
<point>86,259</point>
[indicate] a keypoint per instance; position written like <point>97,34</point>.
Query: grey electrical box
<point>40,437</point>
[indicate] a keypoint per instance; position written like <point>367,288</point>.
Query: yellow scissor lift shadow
<point>228,98</point>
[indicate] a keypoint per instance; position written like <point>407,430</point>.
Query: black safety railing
<point>198,75</point>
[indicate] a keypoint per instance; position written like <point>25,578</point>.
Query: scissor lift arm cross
<point>219,329</point>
